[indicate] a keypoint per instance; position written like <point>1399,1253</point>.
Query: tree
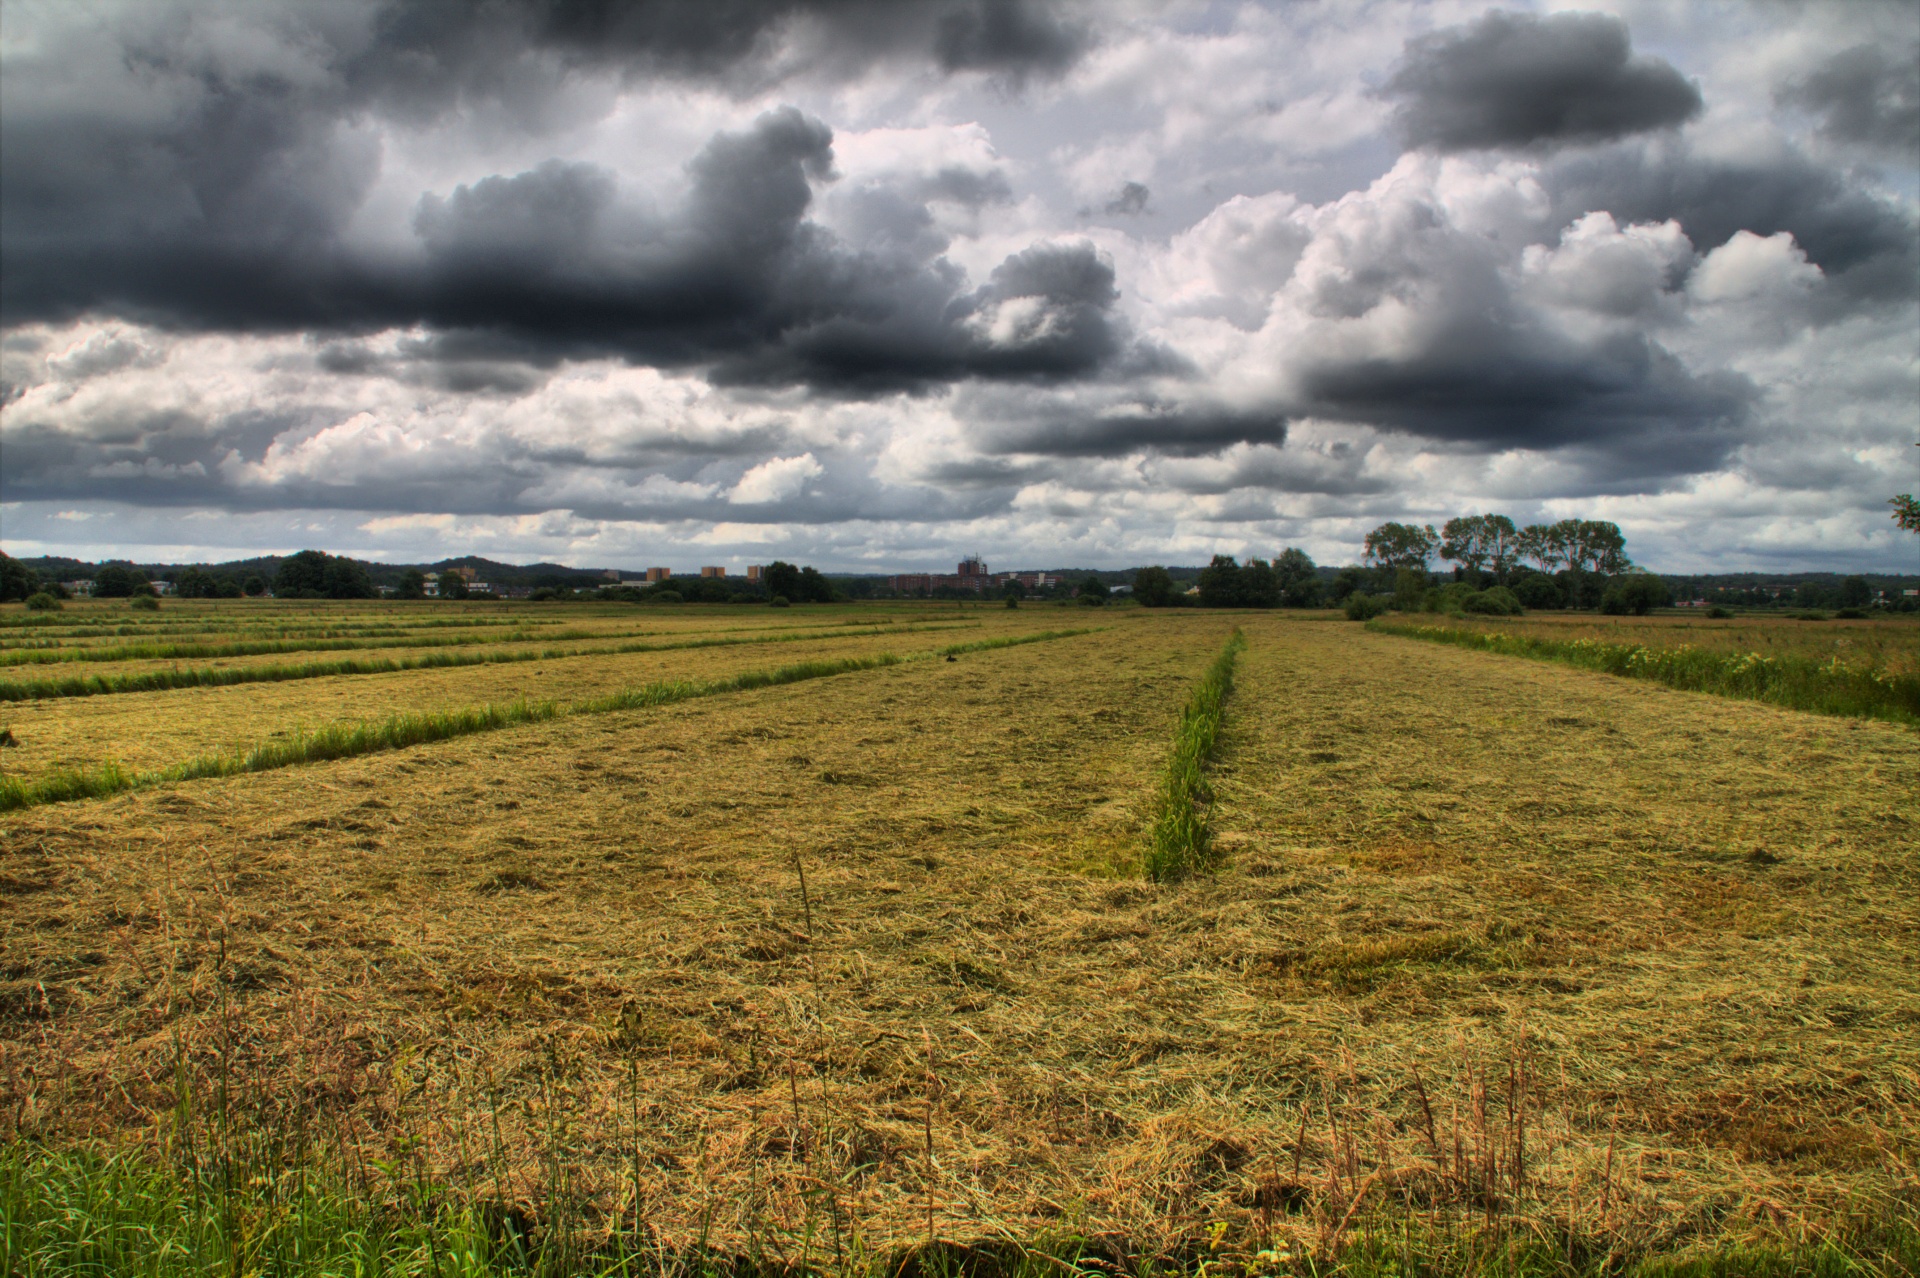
<point>1013,592</point>
<point>1637,593</point>
<point>1298,580</point>
<point>1351,581</point>
<point>1153,587</point>
<point>41,601</point>
<point>814,586</point>
<point>454,586</point>
<point>783,579</point>
<point>254,586</point>
<point>1259,585</point>
<point>413,585</point>
<point>1093,592</point>
<point>1593,545</point>
<point>196,583</point>
<point>227,588</point>
<point>1220,583</point>
<point>1476,540</point>
<point>1394,545</point>
<point>302,576</point>
<point>1855,593</point>
<point>113,581</point>
<point>1906,511</point>
<point>15,581</point>
<point>1535,542</point>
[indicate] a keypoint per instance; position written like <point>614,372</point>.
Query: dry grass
<point>1490,936</point>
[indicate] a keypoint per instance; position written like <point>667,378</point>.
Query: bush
<point>547,594</point>
<point>1013,601</point>
<point>1497,602</point>
<point>1362,607</point>
<point>145,603</point>
<point>1718,613</point>
<point>1636,593</point>
<point>41,601</point>
<point>665,596</point>
<point>780,601</point>
<point>1845,614</point>
<point>1537,590</point>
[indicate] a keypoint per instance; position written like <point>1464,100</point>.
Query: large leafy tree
<point>1394,545</point>
<point>15,581</point>
<point>1298,580</point>
<point>1481,541</point>
<point>1906,511</point>
<point>782,579</point>
<point>1153,587</point>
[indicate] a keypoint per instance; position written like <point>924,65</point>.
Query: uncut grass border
<point>1792,682</point>
<point>1179,842</point>
<point>212,677</point>
<point>398,731</point>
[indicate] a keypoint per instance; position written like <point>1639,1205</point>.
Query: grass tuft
<point>1179,844</point>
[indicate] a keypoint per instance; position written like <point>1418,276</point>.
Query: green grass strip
<point>395,732</point>
<point>1179,841</point>
<point>216,677</point>
<point>1798,683</point>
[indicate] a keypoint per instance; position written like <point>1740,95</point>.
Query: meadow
<point>948,938</point>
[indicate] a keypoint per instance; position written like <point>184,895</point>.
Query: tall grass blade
<point>1179,842</point>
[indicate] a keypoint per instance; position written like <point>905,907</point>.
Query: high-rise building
<point>659,574</point>
<point>756,572</point>
<point>713,572</point>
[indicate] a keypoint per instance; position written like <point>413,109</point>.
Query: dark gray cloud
<point>1867,94</point>
<point>1866,243</point>
<point>1131,201</point>
<point>551,264</point>
<point>1515,80</point>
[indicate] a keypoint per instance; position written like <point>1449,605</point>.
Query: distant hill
<point>383,574</point>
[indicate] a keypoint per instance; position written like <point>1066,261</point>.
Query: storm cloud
<point>1516,80</point>
<point>857,280</point>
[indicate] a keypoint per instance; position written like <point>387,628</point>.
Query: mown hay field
<point>869,959</point>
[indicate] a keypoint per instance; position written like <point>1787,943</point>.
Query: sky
<point>875,284</point>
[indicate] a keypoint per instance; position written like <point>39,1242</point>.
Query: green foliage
<point>1409,589</point>
<point>664,597</point>
<point>1636,593</point>
<point>1296,579</point>
<point>1153,587</point>
<point>1477,541</point>
<point>413,585</point>
<point>115,581</point>
<point>314,574</point>
<point>1496,602</point>
<point>1408,546</point>
<point>453,586</point>
<point>1799,683</point>
<point>1179,842</point>
<point>1537,590</point>
<point>1093,592</point>
<point>42,602</point>
<point>1225,584</point>
<point>1364,607</point>
<point>814,587</point>
<point>15,581</point>
<point>1906,511</point>
<point>780,601</point>
<point>254,586</point>
<point>146,602</point>
<point>1718,613</point>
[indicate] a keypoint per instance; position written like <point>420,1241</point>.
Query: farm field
<point>1891,644</point>
<point>868,958</point>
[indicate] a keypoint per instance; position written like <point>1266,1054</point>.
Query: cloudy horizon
<point>875,285</point>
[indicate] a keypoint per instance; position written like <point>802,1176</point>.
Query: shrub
<point>1538,590</point>
<point>1845,614</point>
<point>547,594</point>
<point>1809,616</point>
<point>780,601</point>
<point>145,603</point>
<point>1718,613</point>
<point>1363,607</point>
<point>1013,601</point>
<point>41,601</point>
<point>665,596</point>
<point>1497,602</point>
